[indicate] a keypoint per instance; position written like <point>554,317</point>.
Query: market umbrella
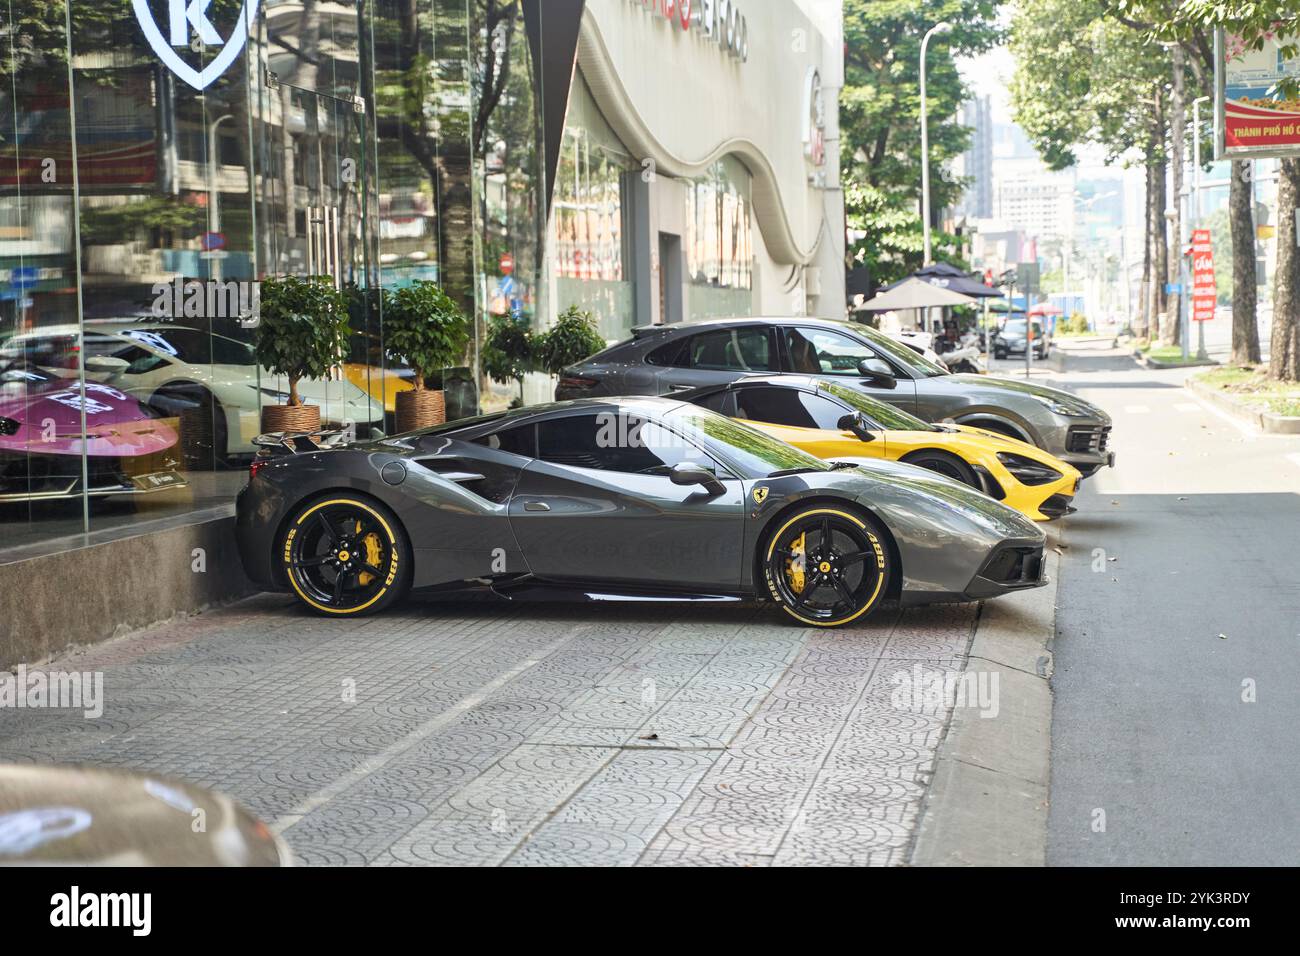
<point>947,276</point>
<point>1047,308</point>
<point>914,293</point>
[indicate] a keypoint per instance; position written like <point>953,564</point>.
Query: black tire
<point>827,565</point>
<point>999,353</point>
<point>346,555</point>
<point>946,464</point>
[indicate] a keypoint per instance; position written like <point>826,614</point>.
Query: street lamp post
<point>941,27</point>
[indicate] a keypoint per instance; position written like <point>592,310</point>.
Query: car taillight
<point>257,465</point>
<point>579,383</point>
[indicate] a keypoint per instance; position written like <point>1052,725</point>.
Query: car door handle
<point>537,507</point>
<point>680,388</point>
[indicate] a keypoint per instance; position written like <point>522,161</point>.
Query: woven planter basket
<point>420,408</point>
<point>290,418</point>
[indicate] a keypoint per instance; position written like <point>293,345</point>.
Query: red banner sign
<point>1205,295</point>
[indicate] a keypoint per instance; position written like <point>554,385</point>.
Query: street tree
<point>1190,24</point>
<point>1254,21</point>
<point>1081,77</point>
<point>880,115</point>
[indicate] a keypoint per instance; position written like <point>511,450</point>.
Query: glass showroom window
<point>719,242</point>
<point>590,257</point>
<point>43,460</point>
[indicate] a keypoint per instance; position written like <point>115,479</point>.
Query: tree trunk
<point>1241,216</point>
<point>1148,269</point>
<point>1162,249</point>
<point>1284,358</point>
<point>1177,126</point>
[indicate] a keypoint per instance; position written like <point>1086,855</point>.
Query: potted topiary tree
<point>426,329</point>
<point>508,352</point>
<point>302,333</point>
<point>571,339</point>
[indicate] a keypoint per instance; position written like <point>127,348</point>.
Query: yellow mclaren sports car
<point>834,422</point>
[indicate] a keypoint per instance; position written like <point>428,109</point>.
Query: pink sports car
<point>128,452</point>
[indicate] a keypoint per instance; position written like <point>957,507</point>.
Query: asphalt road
<point>1177,648</point>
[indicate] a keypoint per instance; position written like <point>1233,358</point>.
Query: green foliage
<point>1083,77</point>
<point>574,337</point>
<point>106,225</point>
<point>508,350</point>
<point>894,243</point>
<point>880,116</point>
<point>424,328</point>
<point>303,331</point>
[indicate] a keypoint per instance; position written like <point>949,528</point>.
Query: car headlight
<point>1060,408</point>
<point>8,426</point>
<point>1026,470</point>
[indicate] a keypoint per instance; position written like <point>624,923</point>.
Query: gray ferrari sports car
<point>662,359</point>
<point>615,499</point>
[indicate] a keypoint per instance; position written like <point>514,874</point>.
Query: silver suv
<point>660,360</point>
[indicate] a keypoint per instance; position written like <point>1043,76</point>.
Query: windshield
<point>753,451</point>
<point>1017,327</point>
<point>900,353</point>
<point>884,414</point>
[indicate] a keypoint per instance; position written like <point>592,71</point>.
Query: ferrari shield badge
<point>188,28</point>
<point>760,494</point>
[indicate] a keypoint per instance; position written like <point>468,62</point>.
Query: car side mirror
<point>690,473</point>
<point>856,424</point>
<point>107,363</point>
<point>878,371</point>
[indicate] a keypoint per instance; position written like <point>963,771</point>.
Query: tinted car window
<point>614,442</point>
<point>900,354</point>
<point>825,352</point>
<point>721,402</point>
<point>755,452</point>
<point>520,440</point>
<point>744,349</point>
<point>787,406</point>
<point>672,355</point>
<point>880,414</point>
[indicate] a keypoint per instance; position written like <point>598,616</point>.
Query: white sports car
<point>172,368</point>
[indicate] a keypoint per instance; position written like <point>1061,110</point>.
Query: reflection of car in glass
<point>172,368</point>
<point>128,450</point>
<point>1010,340</point>
<point>78,816</point>
<point>666,358</point>
<point>833,422</point>
<point>617,499</point>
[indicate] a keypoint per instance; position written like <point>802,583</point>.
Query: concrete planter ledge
<point>1233,405</point>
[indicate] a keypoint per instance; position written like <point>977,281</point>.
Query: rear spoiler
<point>301,443</point>
<point>642,331</point>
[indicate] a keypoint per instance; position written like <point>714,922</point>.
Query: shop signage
<point>1205,295</point>
<point>719,21</point>
<point>187,24</point>
<point>1257,98</point>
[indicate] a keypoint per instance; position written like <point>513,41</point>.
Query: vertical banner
<point>1205,295</point>
<point>1256,98</point>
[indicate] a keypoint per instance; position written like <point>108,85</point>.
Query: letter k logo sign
<point>184,16</point>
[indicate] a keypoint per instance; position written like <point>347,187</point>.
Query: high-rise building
<point>976,163</point>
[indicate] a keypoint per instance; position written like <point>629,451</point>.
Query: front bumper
<point>1087,447</point>
<point>1011,566</point>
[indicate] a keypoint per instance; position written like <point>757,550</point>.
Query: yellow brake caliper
<point>374,553</point>
<point>794,566</point>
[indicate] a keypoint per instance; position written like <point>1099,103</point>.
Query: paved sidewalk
<point>523,735</point>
